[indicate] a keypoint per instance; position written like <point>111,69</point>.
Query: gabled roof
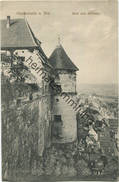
<point>19,35</point>
<point>60,60</point>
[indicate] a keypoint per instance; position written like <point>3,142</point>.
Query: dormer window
<point>57,118</point>
<point>59,87</point>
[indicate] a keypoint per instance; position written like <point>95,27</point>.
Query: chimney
<point>8,21</point>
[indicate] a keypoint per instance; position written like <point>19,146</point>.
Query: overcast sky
<point>89,40</point>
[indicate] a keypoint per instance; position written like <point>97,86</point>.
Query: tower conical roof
<point>60,60</point>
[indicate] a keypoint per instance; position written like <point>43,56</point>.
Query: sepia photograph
<point>59,91</point>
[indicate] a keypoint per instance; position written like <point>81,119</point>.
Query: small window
<point>31,96</point>
<point>22,58</point>
<point>57,100</point>
<point>57,124</point>
<point>59,87</point>
<point>57,117</point>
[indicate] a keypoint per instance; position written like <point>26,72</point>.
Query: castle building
<point>57,118</point>
<point>63,114</point>
<point>18,41</point>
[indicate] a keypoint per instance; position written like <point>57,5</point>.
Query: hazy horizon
<point>98,89</point>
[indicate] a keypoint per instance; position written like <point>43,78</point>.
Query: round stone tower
<point>64,124</point>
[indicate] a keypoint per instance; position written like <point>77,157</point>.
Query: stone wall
<point>20,136</point>
<point>44,123</point>
<point>68,115</point>
<point>25,129</point>
<point>67,80</point>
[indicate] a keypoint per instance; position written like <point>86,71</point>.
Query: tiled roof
<point>18,35</point>
<point>60,60</point>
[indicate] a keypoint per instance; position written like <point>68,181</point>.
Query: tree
<point>17,70</point>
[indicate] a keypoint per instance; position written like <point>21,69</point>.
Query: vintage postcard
<point>59,91</point>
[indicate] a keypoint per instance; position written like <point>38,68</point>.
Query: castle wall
<point>68,116</point>
<point>67,81</point>
<point>44,123</point>
<point>42,96</point>
<point>20,135</point>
